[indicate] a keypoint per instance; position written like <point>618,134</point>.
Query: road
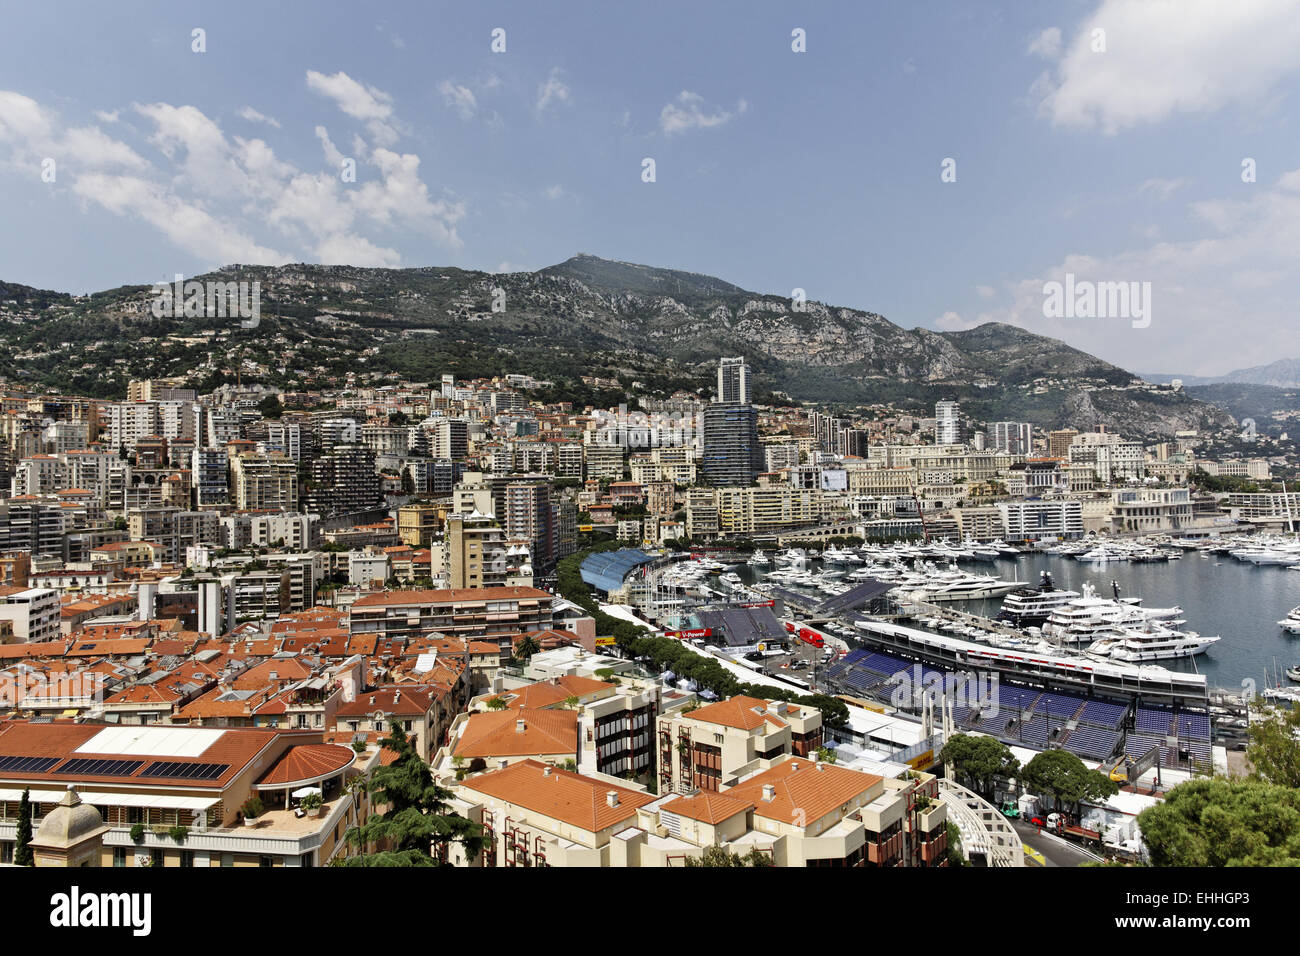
<point>1057,852</point>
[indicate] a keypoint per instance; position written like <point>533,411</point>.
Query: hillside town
<point>223,616</point>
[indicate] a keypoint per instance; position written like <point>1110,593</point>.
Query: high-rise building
<point>1059,441</point>
<point>450,439</point>
<point>265,483</point>
<point>344,480</point>
<point>530,517</point>
<point>733,456</point>
<point>733,381</point>
<point>947,423</point>
<point>209,475</point>
<point>1014,438</point>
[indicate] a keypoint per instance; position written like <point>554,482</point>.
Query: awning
<point>103,799</point>
<point>304,791</point>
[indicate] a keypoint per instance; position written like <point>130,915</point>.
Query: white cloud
<point>986,291</point>
<point>187,224</point>
<point>554,192</point>
<point>460,98</point>
<point>552,91</point>
<point>688,112</point>
<point>1164,188</point>
<point>212,195</point>
<point>372,106</point>
<point>1167,57</point>
<point>1221,297</point>
<point>953,322</point>
<point>253,116</point>
<point>106,116</point>
<point>33,134</point>
<point>1047,44</point>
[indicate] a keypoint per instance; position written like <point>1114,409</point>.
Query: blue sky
<point>774,169</point>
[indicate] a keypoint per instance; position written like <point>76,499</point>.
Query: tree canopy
<point>979,759</point>
<point>415,828</point>
<point>1274,751</point>
<point>1220,822</point>
<point>1063,776</point>
<point>721,856</point>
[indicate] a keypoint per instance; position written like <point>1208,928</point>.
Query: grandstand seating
<point>1094,742</point>
<point>1154,721</point>
<point>1193,725</point>
<point>1101,714</point>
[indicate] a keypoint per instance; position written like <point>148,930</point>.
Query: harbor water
<point>1219,595</point>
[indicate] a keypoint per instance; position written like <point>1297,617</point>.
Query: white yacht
<point>1089,618</point>
<point>930,584</point>
<point>759,559</point>
<point>1291,623</point>
<point>1032,606</point>
<point>1154,642</point>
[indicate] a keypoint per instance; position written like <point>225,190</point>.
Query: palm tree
<point>527,647</point>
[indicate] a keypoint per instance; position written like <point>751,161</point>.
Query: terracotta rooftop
<point>498,733</point>
<point>707,807</point>
<point>569,797</point>
<point>308,763</point>
<point>803,790</point>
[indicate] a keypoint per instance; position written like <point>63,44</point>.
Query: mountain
<point>587,316</point>
<point>1284,373</point>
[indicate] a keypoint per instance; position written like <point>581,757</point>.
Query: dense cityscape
<point>445,442</point>
<point>224,614</point>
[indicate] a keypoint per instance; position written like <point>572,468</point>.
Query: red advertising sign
<point>690,634</point>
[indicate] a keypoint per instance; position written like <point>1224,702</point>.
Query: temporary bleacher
<point>1102,714</point>
<point>1152,720</point>
<point>1095,742</point>
<point>1193,725</point>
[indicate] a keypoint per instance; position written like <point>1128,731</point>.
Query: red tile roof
<point>569,797</point>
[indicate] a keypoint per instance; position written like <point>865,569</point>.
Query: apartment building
<point>493,614</point>
<point>797,813</point>
<point>265,483</point>
<point>143,781</point>
<point>33,613</point>
<point>714,745</point>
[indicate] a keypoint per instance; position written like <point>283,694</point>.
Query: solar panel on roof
<point>27,764</point>
<point>177,770</point>
<point>101,766</point>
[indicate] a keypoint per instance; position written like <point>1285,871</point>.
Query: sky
<point>937,163</point>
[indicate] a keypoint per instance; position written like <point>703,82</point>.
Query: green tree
<point>825,755</point>
<point>979,759</point>
<point>955,855</point>
<point>1062,775</point>
<point>721,856</point>
<point>1219,822</point>
<point>1274,751</point>
<point>23,855</point>
<point>270,407</point>
<point>415,828</point>
<point>527,647</point>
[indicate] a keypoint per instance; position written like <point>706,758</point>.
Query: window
<point>6,852</point>
<point>227,859</point>
<point>119,856</point>
<point>187,858</point>
<point>265,860</point>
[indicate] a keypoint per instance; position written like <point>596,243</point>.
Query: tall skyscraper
<point>733,456</point>
<point>1015,438</point>
<point>947,423</point>
<point>733,381</point>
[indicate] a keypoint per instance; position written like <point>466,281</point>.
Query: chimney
<point>546,771</point>
<point>794,766</point>
<point>519,726</point>
<point>769,793</point>
<point>816,758</point>
<point>611,797</point>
